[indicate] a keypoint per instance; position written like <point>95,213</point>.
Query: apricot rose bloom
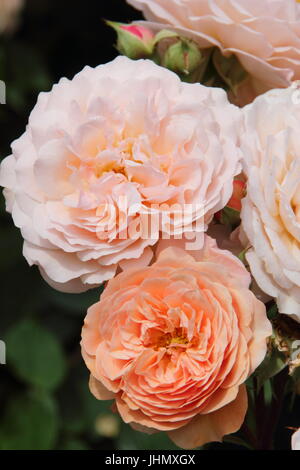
<point>263,34</point>
<point>271,210</point>
<point>173,344</point>
<point>100,151</point>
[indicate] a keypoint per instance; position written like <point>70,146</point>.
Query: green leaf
<point>30,423</point>
<point>273,312</point>
<point>250,420</point>
<point>35,355</point>
<point>230,217</point>
<point>268,392</point>
<point>274,362</point>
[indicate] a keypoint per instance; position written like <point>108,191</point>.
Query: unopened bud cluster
<point>168,49</point>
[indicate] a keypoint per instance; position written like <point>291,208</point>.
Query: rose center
<point>176,339</point>
<point>115,167</point>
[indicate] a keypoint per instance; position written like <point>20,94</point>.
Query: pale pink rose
<point>100,150</point>
<point>271,210</point>
<point>9,11</point>
<point>296,440</point>
<point>173,344</point>
<point>263,34</point>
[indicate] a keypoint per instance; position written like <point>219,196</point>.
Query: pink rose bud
<point>134,41</point>
<point>143,33</point>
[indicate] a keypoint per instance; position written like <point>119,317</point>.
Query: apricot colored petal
<point>213,426</point>
<point>99,391</point>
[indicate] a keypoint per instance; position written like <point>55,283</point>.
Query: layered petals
<point>271,209</point>
<point>175,342</point>
<point>113,160</point>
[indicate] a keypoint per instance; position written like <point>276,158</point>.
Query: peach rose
<point>174,343</point>
<point>263,34</point>
<point>271,210</point>
<point>9,10</point>
<point>107,151</point>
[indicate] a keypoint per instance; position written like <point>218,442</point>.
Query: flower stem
<point>267,417</point>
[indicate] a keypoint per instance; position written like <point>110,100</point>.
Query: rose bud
<point>136,42</point>
<point>178,54</point>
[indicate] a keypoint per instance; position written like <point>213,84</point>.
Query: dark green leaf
<point>274,362</point>
<point>268,392</point>
<point>35,355</point>
<point>273,312</point>
<point>230,217</point>
<point>29,423</point>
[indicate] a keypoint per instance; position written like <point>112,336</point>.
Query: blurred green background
<point>44,398</point>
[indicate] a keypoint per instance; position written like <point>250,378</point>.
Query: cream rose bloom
<point>263,34</point>
<point>9,10</point>
<point>271,210</point>
<point>109,150</point>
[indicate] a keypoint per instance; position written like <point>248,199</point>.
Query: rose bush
<point>173,344</point>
